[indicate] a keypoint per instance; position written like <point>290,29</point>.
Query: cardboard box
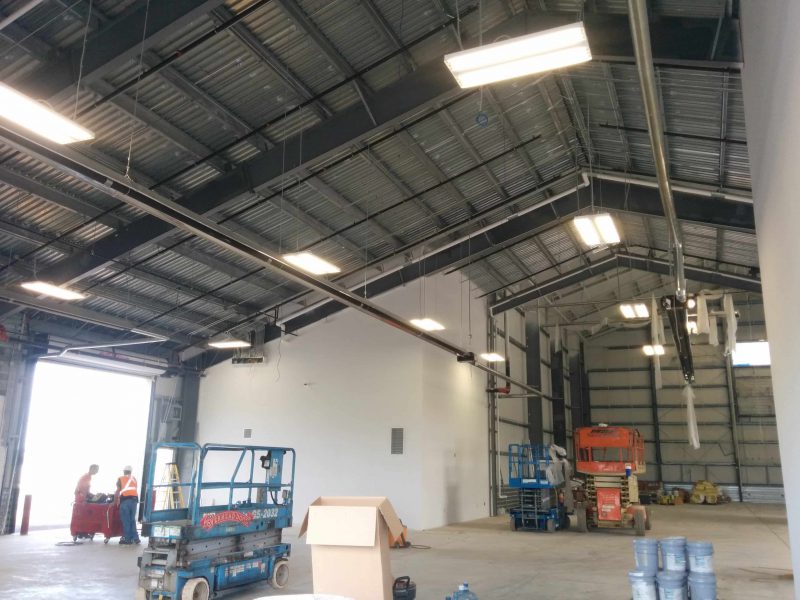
<point>349,537</point>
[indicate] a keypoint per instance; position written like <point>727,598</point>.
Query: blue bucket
<point>671,585</point>
<point>645,552</point>
<point>703,586</point>
<point>643,585</point>
<point>701,557</point>
<point>673,554</point>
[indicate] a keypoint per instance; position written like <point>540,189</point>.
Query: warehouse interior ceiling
<point>335,127</point>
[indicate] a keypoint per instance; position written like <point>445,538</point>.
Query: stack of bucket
<point>669,582</point>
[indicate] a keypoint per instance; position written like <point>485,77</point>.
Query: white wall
<point>771,84</point>
<point>334,393</point>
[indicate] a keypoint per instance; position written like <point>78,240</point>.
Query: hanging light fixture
<point>427,324</point>
<point>519,56</point>
<point>228,344</point>
<point>54,291</point>
<point>596,230</point>
<point>310,262</point>
<point>654,350</point>
<point>492,357</point>
<point>634,311</point>
<point>40,119</point>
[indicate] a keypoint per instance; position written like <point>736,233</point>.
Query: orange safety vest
<point>127,486</point>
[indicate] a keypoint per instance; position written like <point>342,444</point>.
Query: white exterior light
<point>54,291</point>
<point>38,118</point>
<point>524,55</point>
<point>492,357</point>
<point>596,230</point>
<point>427,324</point>
<point>312,263</point>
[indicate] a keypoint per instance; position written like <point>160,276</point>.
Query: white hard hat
<point>127,468</point>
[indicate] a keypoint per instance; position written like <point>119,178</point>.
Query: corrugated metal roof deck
<point>212,93</point>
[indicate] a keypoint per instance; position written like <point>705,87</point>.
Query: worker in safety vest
<point>127,498</point>
<point>83,489</point>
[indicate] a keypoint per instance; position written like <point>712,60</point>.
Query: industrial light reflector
<point>48,289</point>
<point>691,303</point>
<point>524,55</point>
<point>229,344</point>
<point>641,310</point>
<point>492,357</point>
<point>656,350</point>
<point>38,118</point>
<point>427,324</point>
<point>627,311</point>
<point>312,263</point>
<point>596,230</point>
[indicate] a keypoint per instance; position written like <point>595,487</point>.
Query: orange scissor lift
<point>611,458</point>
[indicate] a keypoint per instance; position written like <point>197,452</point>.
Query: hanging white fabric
<point>713,331</point>
<point>691,417</point>
<point>730,323</point>
<point>702,314</point>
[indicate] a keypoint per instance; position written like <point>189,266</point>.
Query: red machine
<point>90,518</point>
<point>611,458</point>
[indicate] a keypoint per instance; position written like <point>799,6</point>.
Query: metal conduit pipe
<point>133,194</point>
<point>640,33</point>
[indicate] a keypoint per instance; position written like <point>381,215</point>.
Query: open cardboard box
<point>349,538</point>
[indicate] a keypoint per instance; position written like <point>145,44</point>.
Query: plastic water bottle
<point>464,593</point>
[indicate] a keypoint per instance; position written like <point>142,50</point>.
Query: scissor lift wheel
<point>196,589</point>
<point>639,522</point>
<point>280,574</point>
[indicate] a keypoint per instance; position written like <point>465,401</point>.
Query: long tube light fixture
<point>492,357</point>
<point>427,324</point>
<point>229,344</point>
<point>519,56</point>
<point>54,291</point>
<point>38,118</point>
<point>311,263</point>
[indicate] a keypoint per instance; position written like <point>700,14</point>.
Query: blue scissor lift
<point>541,500</point>
<point>229,533</point>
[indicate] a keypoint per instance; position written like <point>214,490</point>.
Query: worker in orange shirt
<point>83,489</point>
<point>127,498</point>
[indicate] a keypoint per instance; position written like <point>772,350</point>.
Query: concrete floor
<point>750,541</point>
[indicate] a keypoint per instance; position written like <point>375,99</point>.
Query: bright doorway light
<point>54,291</point>
<point>310,262</point>
<point>427,324</point>
<point>38,118</point>
<point>524,55</point>
<point>596,230</point>
<point>492,357</point>
<point>751,354</point>
<point>79,417</point>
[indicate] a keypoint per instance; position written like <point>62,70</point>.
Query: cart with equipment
<point>227,533</point>
<point>611,458</point>
<point>93,517</point>
<point>539,475</point>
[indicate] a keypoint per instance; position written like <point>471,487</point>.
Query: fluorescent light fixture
<point>427,324</point>
<point>627,311</point>
<point>48,289</point>
<point>229,344</point>
<point>641,310</point>
<point>38,118</point>
<point>519,56</point>
<point>596,230</point>
<point>655,350</point>
<point>751,354</point>
<point>492,357</point>
<point>312,263</point>
<point>691,327</point>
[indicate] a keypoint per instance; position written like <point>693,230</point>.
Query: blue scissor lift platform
<point>228,531</point>
<point>539,479</point>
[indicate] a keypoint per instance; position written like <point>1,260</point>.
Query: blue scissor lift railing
<point>528,465</point>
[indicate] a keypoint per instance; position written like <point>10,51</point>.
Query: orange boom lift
<point>611,458</point>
